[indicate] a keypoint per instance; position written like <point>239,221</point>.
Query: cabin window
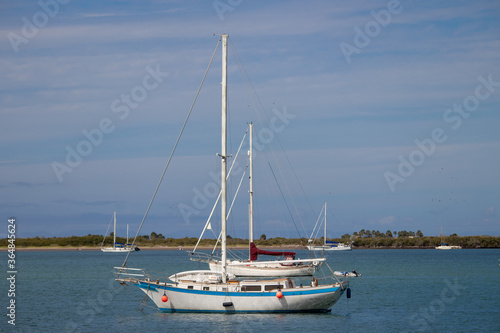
<point>190,287</point>
<point>206,288</point>
<point>273,287</point>
<point>250,288</point>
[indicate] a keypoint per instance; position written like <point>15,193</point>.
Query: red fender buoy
<point>279,294</point>
<point>164,298</point>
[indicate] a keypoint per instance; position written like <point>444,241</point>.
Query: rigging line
<point>232,203</point>
<point>316,225</point>
<point>220,193</point>
<point>237,190</point>
<point>245,77</point>
<point>321,217</point>
<point>279,187</point>
<point>109,225</point>
<point>173,151</point>
<point>235,255</point>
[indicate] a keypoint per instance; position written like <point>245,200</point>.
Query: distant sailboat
<point>444,246</point>
<point>327,245</point>
<point>118,247</point>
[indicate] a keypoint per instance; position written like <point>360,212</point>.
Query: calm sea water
<point>400,290</point>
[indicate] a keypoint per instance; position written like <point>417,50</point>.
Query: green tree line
<point>400,239</point>
<point>153,239</point>
<point>373,239</point>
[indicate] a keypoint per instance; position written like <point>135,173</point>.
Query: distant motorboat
<point>347,274</point>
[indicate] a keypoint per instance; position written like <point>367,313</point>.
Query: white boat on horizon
<point>330,246</point>
<point>327,245</point>
<point>444,246</point>
<point>118,247</point>
<point>448,247</point>
<point>209,291</point>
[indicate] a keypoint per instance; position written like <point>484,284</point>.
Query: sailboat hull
<point>448,247</point>
<point>307,299</point>
<point>119,249</point>
<point>329,248</point>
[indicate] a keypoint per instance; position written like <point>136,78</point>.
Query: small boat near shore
<point>347,274</point>
<point>118,247</point>
<point>327,245</point>
<point>444,246</point>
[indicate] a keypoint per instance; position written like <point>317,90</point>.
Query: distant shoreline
<point>189,248</point>
<point>145,242</point>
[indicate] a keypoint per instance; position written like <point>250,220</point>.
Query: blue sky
<point>387,110</point>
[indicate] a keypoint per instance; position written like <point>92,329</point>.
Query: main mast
<point>250,204</point>
<point>224,158</point>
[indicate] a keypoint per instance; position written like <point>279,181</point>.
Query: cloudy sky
<point>388,111</point>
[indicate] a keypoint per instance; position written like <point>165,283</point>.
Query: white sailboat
<point>290,266</point>
<point>444,246</point>
<point>209,291</point>
<point>118,247</point>
<point>327,245</point>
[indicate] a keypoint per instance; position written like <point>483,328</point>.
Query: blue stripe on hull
<point>232,293</point>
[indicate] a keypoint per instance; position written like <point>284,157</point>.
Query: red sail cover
<point>254,253</point>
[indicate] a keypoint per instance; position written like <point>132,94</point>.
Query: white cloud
<point>387,220</point>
